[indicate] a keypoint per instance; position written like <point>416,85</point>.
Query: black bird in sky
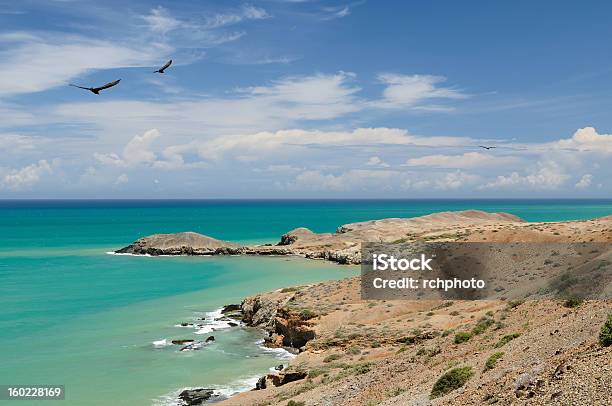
<point>96,90</point>
<point>485,147</point>
<point>163,68</point>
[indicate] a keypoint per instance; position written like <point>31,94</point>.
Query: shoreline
<point>306,317</point>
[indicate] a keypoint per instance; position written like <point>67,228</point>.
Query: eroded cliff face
<point>286,327</point>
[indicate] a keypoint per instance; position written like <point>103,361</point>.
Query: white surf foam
<point>160,343</point>
<point>214,321</point>
<point>127,254</point>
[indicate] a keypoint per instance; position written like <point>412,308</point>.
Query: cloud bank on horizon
<point>303,99</point>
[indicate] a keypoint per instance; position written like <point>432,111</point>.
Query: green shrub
<point>514,303</point>
<point>363,368</point>
<point>332,357</point>
<point>313,373</point>
<point>573,302</point>
<point>294,403</point>
<point>506,339</point>
<point>482,325</point>
<point>462,337</point>
<point>605,336</point>
<point>490,364</point>
<point>307,314</point>
<point>451,380</point>
<point>353,350</point>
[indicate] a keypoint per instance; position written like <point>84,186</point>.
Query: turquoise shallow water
<point>71,314</point>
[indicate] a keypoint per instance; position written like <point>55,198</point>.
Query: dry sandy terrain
<point>358,352</point>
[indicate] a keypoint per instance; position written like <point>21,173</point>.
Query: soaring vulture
<point>163,68</point>
<point>96,90</point>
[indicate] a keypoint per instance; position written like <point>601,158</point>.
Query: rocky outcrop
<point>192,397</point>
<point>279,379</point>
<point>188,243</point>
<point>292,329</point>
<point>285,327</point>
<point>343,246</point>
<point>294,235</point>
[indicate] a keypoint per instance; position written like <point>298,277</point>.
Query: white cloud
<point>161,21</point>
<point>27,176</point>
<point>263,143</point>
<point>585,181</point>
<point>360,179</point>
<point>135,152</point>
<point>465,160</point>
<point>546,175</point>
<point>331,13</point>
<point>122,179</point>
<point>138,151</point>
<point>587,139</point>
<point>247,12</point>
<point>37,61</point>
<point>456,180</point>
<point>33,63</point>
<point>283,103</point>
<point>410,91</point>
<point>376,161</point>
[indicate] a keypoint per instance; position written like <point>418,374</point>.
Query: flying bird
<point>163,68</point>
<point>96,90</point>
<point>485,147</point>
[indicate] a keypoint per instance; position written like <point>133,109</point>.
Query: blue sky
<point>305,99</point>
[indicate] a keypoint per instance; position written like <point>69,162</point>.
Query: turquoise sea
<point>71,314</point>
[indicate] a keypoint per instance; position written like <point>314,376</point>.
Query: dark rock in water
<point>230,308</point>
<point>279,367</point>
<point>196,396</point>
<point>182,342</point>
<point>232,324</point>
<point>185,324</point>
<point>261,383</point>
<point>194,346</point>
<point>211,338</point>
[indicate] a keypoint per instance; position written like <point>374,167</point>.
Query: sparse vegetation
<point>395,392</point>
<point>462,337</point>
<point>307,314</point>
<point>482,325</point>
<point>295,403</point>
<point>605,336</point>
<point>506,339</point>
<point>332,357</point>
<point>353,350</point>
<point>451,380</point>
<point>514,303</point>
<point>362,368</point>
<point>490,364</point>
<point>573,301</point>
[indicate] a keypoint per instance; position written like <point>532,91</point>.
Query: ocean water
<point>71,314</point>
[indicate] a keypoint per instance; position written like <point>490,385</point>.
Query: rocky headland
<point>343,246</point>
<point>352,351</point>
